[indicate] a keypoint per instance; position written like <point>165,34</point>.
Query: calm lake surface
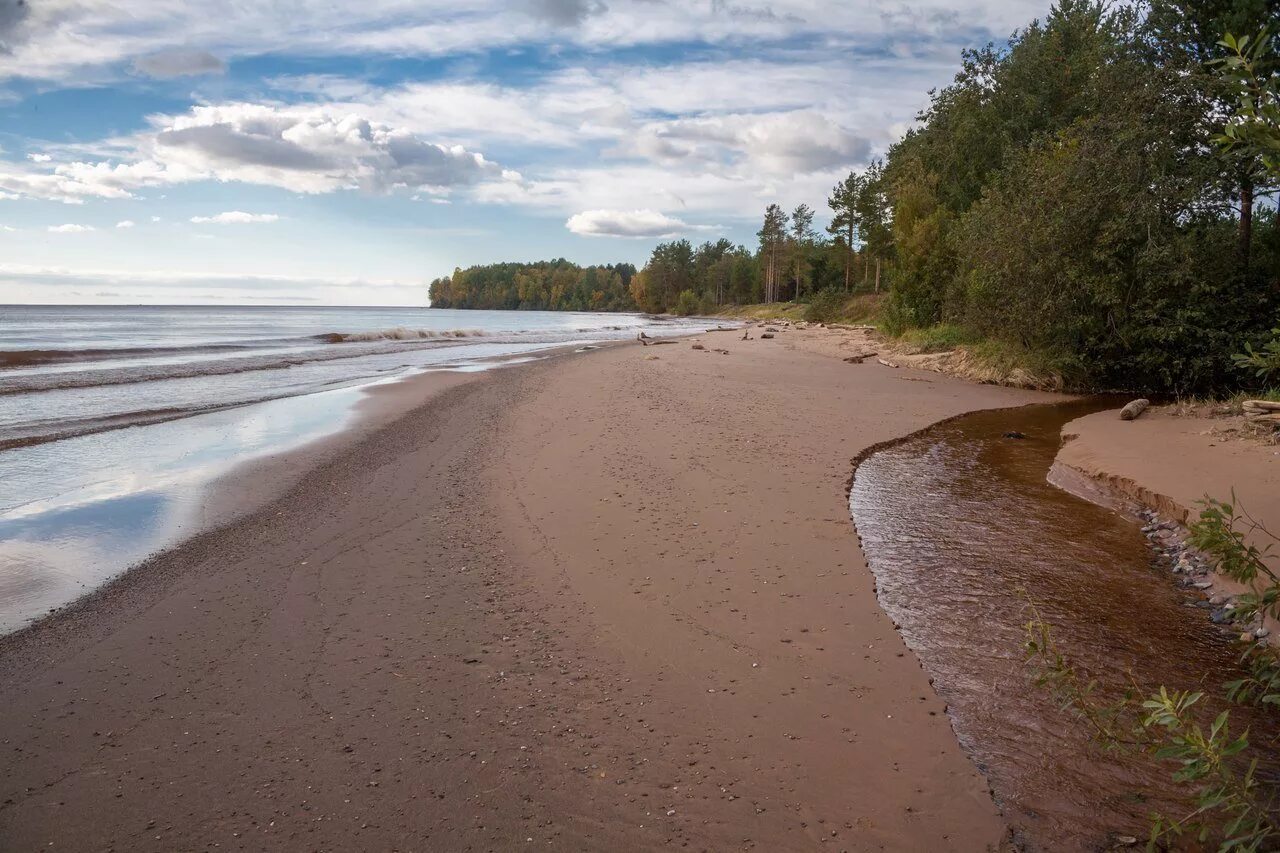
<point>115,420</point>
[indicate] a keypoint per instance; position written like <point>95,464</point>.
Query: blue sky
<point>165,151</point>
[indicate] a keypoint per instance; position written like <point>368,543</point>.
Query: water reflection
<point>75,513</point>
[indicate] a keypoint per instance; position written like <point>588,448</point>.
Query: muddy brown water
<point>962,528</point>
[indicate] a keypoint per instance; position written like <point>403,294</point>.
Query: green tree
<point>773,241</point>
<point>800,247</point>
<point>844,219</point>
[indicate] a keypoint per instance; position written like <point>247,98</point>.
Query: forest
<point>1085,195</point>
<point>557,285</point>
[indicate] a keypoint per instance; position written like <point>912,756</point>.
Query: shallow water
<point>115,421</point>
<point>961,529</point>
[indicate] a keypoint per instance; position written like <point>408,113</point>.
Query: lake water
<point>114,420</point>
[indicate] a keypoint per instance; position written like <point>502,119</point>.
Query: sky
<point>312,152</point>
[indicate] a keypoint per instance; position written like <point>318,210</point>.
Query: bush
<point>687,303</point>
<point>825,307</point>
<point>940,338</point>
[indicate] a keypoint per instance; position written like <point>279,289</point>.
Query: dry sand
<point>1170,462</point>
<point>609,601</point>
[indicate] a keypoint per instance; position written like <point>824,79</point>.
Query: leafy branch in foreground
<point>1264,361</point>
<point>1255,127</point>
<point>1232,806</point>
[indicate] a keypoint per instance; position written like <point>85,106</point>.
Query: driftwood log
<point>1134,409</point>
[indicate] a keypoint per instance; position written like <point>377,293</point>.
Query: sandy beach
<point>611,600</point>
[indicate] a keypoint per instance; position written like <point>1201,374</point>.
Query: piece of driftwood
<point>767,335</point>
<point>886,363</point>
<point>1260,406</point>
<point>1134,409</point>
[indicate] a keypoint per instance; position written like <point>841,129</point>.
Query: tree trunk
<point>1246,222</point>
<point>877,275</point>
<point>866,268</point>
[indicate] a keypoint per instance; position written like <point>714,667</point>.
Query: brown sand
<point>1170,462</point>
<point>608,601</point>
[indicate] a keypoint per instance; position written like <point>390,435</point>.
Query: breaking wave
<point>400,333</point>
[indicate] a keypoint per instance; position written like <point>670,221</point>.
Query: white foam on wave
<point>401,333</point>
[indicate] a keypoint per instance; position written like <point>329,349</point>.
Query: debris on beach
<point>1132,410</point>
<point>767,335</point>
<point>1262,413</point>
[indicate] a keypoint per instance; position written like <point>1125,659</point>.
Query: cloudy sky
<point>309,151</point>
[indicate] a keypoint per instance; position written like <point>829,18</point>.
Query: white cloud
<point>39,158</point>
<point>69,228</point>
<point>625,223</point>
<point>58,40</point>
<point>179,62</point>
<point>305,149</point>
<point>236,217</point>
<point>125,223</point>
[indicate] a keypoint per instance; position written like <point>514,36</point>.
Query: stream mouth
<point>962,530</point>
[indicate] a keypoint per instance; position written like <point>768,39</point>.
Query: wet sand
<point>611,600</point>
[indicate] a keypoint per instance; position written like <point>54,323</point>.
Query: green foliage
<point>545,285</point>
<point>714,274</point>
<point>687,303</point>
<point>1251,71</point>
<point>1263,362</point>
<point>1064,196</point>
<point>825,307</point>
<point>940,338</point>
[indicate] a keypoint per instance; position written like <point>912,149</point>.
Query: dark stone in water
<point>1013,433</point>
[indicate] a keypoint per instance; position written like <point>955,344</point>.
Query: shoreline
<point>557,624</point>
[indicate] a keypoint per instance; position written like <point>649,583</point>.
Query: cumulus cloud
<point>310,150</point>
<point>305,149</point>
<point>236,217</point>
<point>125,223</point>
<point>36,157</point>
<point>625,223</point>
<point>69,228</point>
<point>179,62</point>
<point>783,143</point>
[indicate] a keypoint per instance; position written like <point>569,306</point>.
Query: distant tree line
<point>557,285</point>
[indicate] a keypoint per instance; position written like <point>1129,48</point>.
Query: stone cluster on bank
<point>1195,574</point>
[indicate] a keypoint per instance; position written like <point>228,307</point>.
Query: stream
<point>962,529</point>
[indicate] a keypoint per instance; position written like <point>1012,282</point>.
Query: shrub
<point>686,303</point>
<point>825,307</point>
